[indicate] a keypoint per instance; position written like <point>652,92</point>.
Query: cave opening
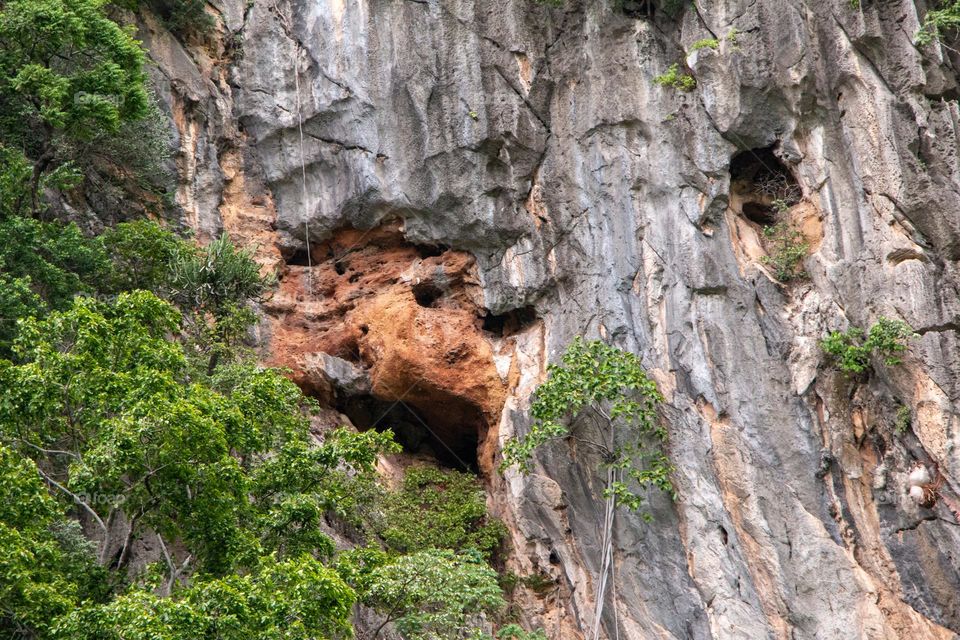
<point>431,250</point>
<point>444,434</point>
<point>638,8</point>
<point>299,258</point>
<point>426,294</point>
<point>510,322</point>
<point>761,186</point>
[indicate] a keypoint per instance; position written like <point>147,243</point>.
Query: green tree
<point>67,74</point>
<point>42,264</point>
<point>142,253</point>
<point>296,599</point>
<point>46,567</point>
<point>431,595</point>
<point>100,397</point>
<point>604,386</point>
<point>608,388</point>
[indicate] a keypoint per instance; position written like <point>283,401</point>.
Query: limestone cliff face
<point>482,181</point>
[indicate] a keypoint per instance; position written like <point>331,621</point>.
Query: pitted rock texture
<point>535,142</point>
<point>406,315</point>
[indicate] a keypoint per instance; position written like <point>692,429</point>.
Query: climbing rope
<point>303,168</point>
<point>288,28</point>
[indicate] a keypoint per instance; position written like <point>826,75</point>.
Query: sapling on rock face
<point>599,385</point>
<point>607,387</point>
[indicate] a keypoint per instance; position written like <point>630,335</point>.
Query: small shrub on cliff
<point>706,43</point>
<point>675,79</point>
<point>850,352</point>
<point>903,420</point>
<point>788,248</point>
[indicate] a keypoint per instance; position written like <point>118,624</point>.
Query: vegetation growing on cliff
<point>850,352</point>
<point>787,248</point>
<point>940,22</point>
<point>676,79</point>
<point>155,481</point>
<point>68,75</point>
<point>600,398</point>
<point>439,508</point>
<point>599,386</point>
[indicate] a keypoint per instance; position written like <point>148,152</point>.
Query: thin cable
<point>303,168</point>
<point>288,27</point>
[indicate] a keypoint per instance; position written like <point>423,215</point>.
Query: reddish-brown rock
<point>408,315</point>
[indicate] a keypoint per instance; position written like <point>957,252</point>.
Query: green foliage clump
<point>436,508</point>
<point>788,248</point>
<point>42,264</point>
<point>67,74</point>
<point>46,567</point>
<point>851,353</point>
<point>675,79</point>
<point>296,599</point>
<point>608,388</point>
<point>706,43</point>
<point>903,420</point>
<point>103,386</point>
<point>213,285</point>
<point>182,17</point>
<point>215,278</point>
<point>142,253</point>
<point>432,594</point>
<point>185,17</point>
<point>940,21</point>
<point>516,632</point>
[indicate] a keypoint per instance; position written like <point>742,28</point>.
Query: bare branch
<point>75,497</point>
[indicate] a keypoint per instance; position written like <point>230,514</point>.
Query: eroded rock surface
<point>547,184</point>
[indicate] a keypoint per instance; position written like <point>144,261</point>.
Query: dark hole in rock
<point>354,277</point>
<point>339,267</point>
<point>723,535</point>
<point>554,558</point>
<point>431,251</point>
<point>426,294</point>
<point>452,445</point>
<point>764,215</point>
<point>637,8</point>
<point>300,258</point>
<point>762,185</point>
<point>505,324</point>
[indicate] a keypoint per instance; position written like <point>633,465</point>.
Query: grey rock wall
<point>536,138</point>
